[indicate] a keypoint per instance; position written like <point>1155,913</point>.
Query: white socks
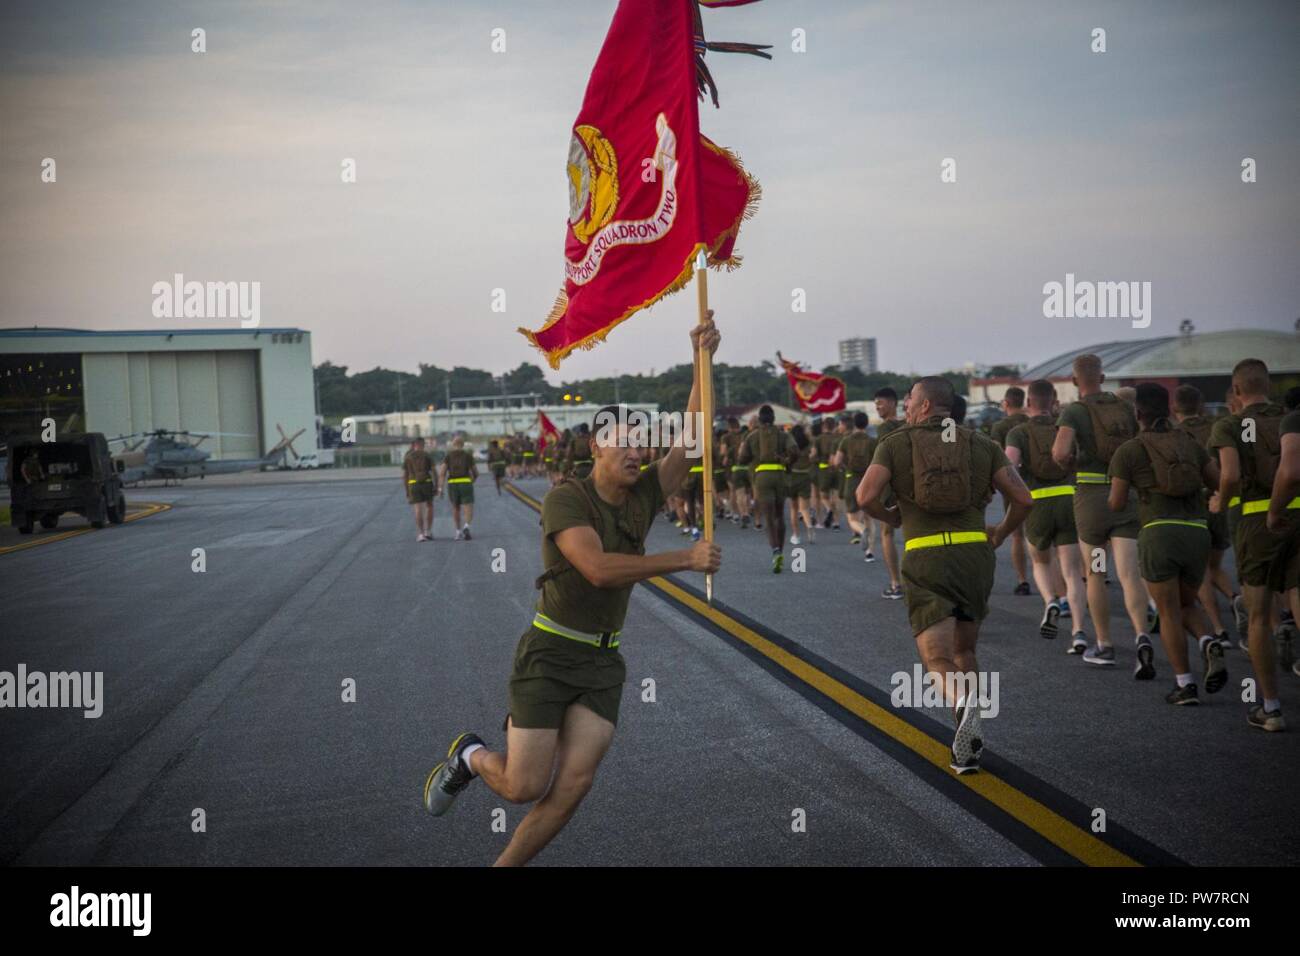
<point>464,756</point>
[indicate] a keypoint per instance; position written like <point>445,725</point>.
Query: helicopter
<point>169,455</point>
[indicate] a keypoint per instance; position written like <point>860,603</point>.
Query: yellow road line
<point>150,508</point>
<point>1044,821</point>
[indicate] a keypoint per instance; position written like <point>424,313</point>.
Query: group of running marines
<point>1142,480</point>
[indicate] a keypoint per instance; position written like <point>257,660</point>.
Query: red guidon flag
<point>646,189</point>
<point>548,433</point>
<point>814,391</point>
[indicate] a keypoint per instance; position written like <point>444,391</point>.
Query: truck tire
<point>96,515</point>
<point>25,527</point>
<point>49,522</point>
<point>117,513</point>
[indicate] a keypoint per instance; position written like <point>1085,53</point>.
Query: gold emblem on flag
<point>593,182</point>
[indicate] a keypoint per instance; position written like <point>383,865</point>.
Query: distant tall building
<point>859,354</point>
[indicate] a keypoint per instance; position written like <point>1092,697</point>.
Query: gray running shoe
<point>1216,672</point>
<point>1101,656</point>
<point>1270,720</point>
<point>967,742</point>
<point>449,778</point>
<point>1146,668</point>
<point>1078,643</point>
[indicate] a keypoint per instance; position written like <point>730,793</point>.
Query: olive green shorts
<point>740,477</point>
<point>1265,559</point>
<point>551,673</point>
<point>719,479</point>
<point>769,486</point>
<point>825,478</point>
<point>952,580</point>
<point>498,468</point>
<point>420,492</point>
<point>460,492</point>
<point>849,491</point>
<point>1051,523</point>
<point>1096,523</point>
<point>799,484</point>
<point>1167,551</point>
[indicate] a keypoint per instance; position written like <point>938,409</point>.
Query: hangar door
<point>216,391</point>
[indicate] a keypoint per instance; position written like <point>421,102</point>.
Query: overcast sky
<point>226,166</point>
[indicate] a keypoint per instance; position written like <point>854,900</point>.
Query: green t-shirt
<point>895,453</point>
<point>1018,438</point>
<point>803,458</point>
<point>1002,427</point>
<point>1198,426</point>
<point>417,466</point>
<point>827,442</point>
<point>1132,462</point>
<point>884,428</point>
<point>1075,416</point>
<point>1227,433</point>
<point>866,453</point>
<point>1291,423</point>
<point>571,599</point>
<point>783,447</point>
<point>459,462</point>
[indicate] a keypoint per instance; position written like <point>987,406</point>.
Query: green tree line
<point>380,390</point>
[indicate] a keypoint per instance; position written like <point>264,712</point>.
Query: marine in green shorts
<point>1171,471</point>
<point>943,478</point>
<point>771,451</point>
<point>1095,522</point>
<point>458,474</point>
<point>567,678</point>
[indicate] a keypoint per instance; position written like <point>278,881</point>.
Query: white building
<point>492,417</point>
<point>244,382</point>
<point>859,354</point>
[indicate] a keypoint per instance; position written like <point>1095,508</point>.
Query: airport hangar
<point>1203,359</point>
<point>244,382</point>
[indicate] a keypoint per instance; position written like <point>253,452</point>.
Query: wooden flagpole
<point>705,371</point>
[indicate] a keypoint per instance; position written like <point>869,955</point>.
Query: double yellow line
<point>1030,812</point>
<point>150,508</point>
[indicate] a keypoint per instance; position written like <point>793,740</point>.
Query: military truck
<point>74,474</point>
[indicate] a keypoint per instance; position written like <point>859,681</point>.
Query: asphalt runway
<point>224,692</point>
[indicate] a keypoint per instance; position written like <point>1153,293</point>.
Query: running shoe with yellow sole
<point>450,777</point>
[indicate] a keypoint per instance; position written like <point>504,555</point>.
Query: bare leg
<point>583,742</point>
<point>1259,605</point>
<point>1098,599</point>
<point>1018,554</point>
<point>890,550</point>
<point>1172,634</point>
<point>1130,579</point>
<point>1075,592</point>
<point>1043,577</point>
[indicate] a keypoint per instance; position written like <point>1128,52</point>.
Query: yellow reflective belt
<point>822,464</point>
<point>1054,491</point>
<point>1234,501</point>
<point>1091,478</point>
<point>945,537</point>
<point>456,481</point>
<point>1261,504</point>
<point>644,467</point>
<point>740,468</point>
<point>411,481</point>
<point>530,454</point>
<point>544,623</point>
<point>1178,521</point>
<point>698,469</point>
<point>769,467</point>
